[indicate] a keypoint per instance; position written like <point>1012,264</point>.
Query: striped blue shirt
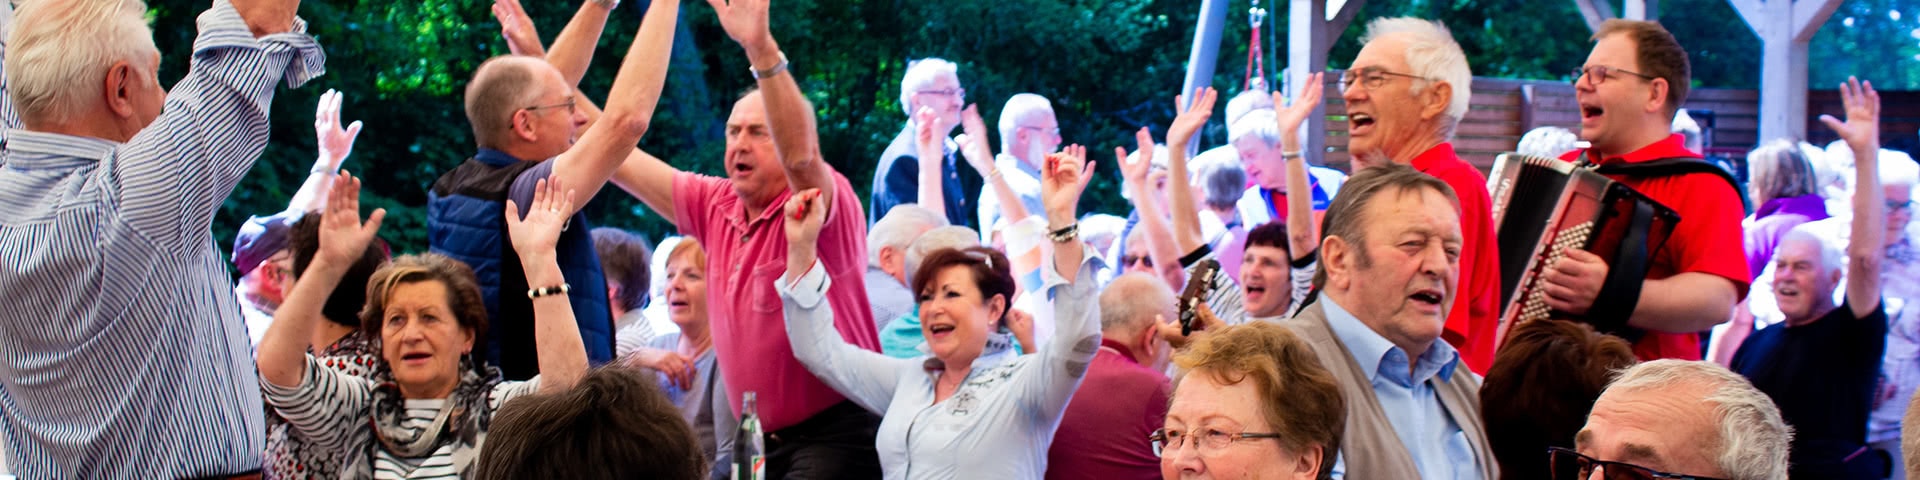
<point>122,349</point>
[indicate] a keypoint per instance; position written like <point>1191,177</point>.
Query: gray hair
<point>1131,301</point>
<point>1020,107</point>
<point>1431,53</point>
<point>1262,123</point>
<point>1779,169</point>
<point>951,236</point>
<point>1547,142</point>
<point>1222,179</point>
<point>898,229</point>
<point>920,74</point>
<point>58,53</point>
<point>1246,102</point>
<point>1753,438</point>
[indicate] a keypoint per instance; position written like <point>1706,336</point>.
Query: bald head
<point>500,87</point>
<point>1131,303</point>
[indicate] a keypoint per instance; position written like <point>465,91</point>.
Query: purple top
<point>1772,221</point>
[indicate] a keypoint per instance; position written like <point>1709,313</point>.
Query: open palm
<point>1862,128</point>
<point>1065,177</point>
<point>546,217</point>
<point>343,237</point>
<point>1296,113</point>
<point>1191,118</point>
<point>744,20</point>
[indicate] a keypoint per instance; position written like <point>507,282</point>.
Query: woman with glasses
<point>1253,403</point>
<point>964,411</point>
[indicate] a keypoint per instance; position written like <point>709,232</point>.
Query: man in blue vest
<point>529,124</point>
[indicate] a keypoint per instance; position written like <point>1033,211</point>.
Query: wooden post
<point>1311,31</point>
<point>1785,27</point>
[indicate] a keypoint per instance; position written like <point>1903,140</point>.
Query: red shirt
<point>744,257</point>
<point>1707,239</point>
<point>1103,435</point>
<point>1474,322</point>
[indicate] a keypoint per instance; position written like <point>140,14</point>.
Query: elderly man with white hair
<point>1835,345</point>
<point>1028,132</point>
<point>1406,93</point>
<point>126,353</point>
<point>887,244</point>
<point>1678,419</point>
<point>910,169</point>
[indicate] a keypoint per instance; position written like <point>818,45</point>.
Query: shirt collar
<point>1124,351</point>
<point>495,157</point>
<point>1674,146</point>
<point>30,150</point>
<point>1439,155</point>
<point>1381,358</point>
<point>1011,163</point>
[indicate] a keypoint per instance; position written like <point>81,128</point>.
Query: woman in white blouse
<point>428,401</point>
<point>956,413</point>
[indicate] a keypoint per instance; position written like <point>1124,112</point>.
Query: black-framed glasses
<point>1371,77</point>
<point>1571,465</point>
<point>1600,74</point>
<point>569,104</point>
<point>949,92</point>
<point>1167,441</point>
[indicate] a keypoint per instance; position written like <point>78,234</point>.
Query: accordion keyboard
<point>1535,307</point>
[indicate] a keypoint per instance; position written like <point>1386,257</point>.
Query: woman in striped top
<point>429,401</point>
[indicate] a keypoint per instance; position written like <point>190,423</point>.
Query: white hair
<point>59,51</point>
<point>1131,301</point>
<point>951,236</point>
<point>1246,102</point>
<point>899,227</point>
<point>1547,142</point>
<point>920,74</point>
<point>1831,258</point>
<point>1753,438</point>
<point>1262,123</point>
<point>1160,161</point>
<point>1897,168</point>
<point>1020,107</point>
<point>1431,53</point>
<point>1221,177</point>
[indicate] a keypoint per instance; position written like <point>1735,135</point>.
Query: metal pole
<point>1206,51</point>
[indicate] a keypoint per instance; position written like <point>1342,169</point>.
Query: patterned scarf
<point>463,420</point>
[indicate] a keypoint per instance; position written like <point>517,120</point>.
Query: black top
<point>1822,376</point>
<point>898,182</point>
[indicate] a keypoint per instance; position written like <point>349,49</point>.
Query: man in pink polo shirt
<point>772,150</point>
<point>1406,91</point>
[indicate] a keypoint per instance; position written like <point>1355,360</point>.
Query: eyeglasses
<point>950,92</point>
<point>1893,206</point>
<point>1370,77</point>
<point>1167,441</point>
<point>1142,259</point>
<point>1600,74</point>
<point>569,104</point>
<point>1571,465</point>
<point>1055,131</point>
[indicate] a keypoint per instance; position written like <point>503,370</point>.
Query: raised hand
<point>744,20</point>
<point>925,137</point>
<point>1063,178</point>
<point>1135,172</point>
<point>804,214</point>
<point>1296,112</point>
<point>267,17</point>
<point>536,235</point>
<point>1020,324</point>
<point>973,144</point>
<point>1191,118</point>
<point>1862,128</point>
<point>335,142</point>
<point>343,238</point>
<point>517,28</point>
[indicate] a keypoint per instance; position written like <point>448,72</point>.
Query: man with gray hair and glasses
<point>913,171</point>
<point>126,355</point>
<point>1678,419</point>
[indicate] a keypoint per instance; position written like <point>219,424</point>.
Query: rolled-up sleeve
<point>866,377</point>
<point>1064,362</point>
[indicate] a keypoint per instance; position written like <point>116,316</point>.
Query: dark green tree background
<point>1110,66</point>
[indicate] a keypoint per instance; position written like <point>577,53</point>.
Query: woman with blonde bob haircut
<point>1254,403</point>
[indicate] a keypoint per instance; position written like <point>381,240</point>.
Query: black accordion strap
<point>1667,167</point>
<point>1620,293</point>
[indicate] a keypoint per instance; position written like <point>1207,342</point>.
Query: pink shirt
<point>744,259</point>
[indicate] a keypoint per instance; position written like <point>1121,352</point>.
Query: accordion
<point>1541,208</point>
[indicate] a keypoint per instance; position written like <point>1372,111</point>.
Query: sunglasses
<point>1571,465</point>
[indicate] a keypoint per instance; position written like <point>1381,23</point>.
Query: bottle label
<point>753,468</point>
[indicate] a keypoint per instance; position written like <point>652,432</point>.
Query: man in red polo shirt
<point>1400,113</point>
<point>1628,91</point>
<point>772,151</point>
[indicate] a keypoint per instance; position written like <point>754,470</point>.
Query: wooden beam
<point>1809,15</point>
<point>1751,11</point>
<point>1595,12</point>
<point>1337,21</point>
<point>1308,40</point>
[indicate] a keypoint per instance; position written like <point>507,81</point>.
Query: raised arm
<point>1865,251</point>
<point>334,144</point>
<point>1186,216</point>
<point>572,51</point>
<point>282,354</point>
<point>1063,178</point>
<point>563,355</point>
<point>608,143</point>
<point>1302,240</point>
<point>1071,287</point>
<point>1153,216</point>
<point>979,156</point>
<point>789,114</point>
<point>929,151</point>
<point>866,377</point>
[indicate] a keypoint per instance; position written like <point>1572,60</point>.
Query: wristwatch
<point>776,69</point>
